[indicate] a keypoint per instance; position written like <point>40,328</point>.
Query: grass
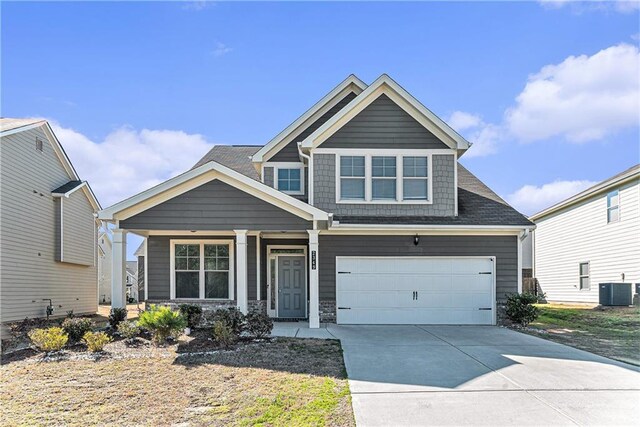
<point>286,382</point>
<point>613,332</point>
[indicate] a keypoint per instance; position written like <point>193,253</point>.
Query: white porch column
<point>241,269</point>
<point>119,269</point>
<point>314,286</point>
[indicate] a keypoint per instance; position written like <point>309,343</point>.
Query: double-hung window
<point>383,178</point>
<point>290,181</point>
<point>613,206</point>
<point>415,179</point>
<point>352,178</point>
<point>585,283</point>
<point>202,270</point>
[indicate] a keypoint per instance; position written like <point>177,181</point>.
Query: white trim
<point>172,270</point>
<point>22,128</point>
<point>311,179</point>
<point>146,271</point>
<point>455,182</point>
<point>314,280</point>
<point>62,231</point>
<point>258,269</point>
<point>493,259</point>
<point>242,279</point>
<point>201,175</point>
<point>273,311</point>
<point>368,183</point>
<point>286,165</point>
<point>350,84</point>
<point>70,192</point>
<point>519,266</point>
<point>384,151</point>
<point>385,85</point>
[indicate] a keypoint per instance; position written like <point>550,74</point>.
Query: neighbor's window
<point>613,206</point>
<point>585,283</point>
<point>202,270</point>
<point>383,178</point>
<point>415,184</point>
<point>352,177</point>
<point>290,180</point>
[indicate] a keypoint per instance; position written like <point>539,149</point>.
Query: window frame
<point>286,165</point>
<point>582,276</point>
<point>201,271</point>
<point>612,207</point>
<point>365,178</point>
<point>384,177</point>
<point>368,184</point>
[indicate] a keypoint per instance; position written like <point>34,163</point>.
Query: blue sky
<point>139,91</point>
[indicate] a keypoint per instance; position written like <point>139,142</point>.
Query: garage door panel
<point>409,290</point>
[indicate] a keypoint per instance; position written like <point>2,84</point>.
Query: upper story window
<point>613,206</point>
<point>352,177</point>
<point>384,179</point>
<point>290,181</point>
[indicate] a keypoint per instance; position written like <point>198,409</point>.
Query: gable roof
<point>386,85</point>
<point>208,172</point>
<point>236,157</point>
<point>140,251</point>
<point>9,125</point>
<point>350,84</point>
<point>608,184</point>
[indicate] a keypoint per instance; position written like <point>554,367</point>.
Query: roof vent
<point>39,144</point>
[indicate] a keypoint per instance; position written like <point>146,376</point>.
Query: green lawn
<point>612,331</point>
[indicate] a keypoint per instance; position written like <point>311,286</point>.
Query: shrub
<point>76,327</point>
<point>128,329</point>
<point>162,323</point>
<point>223,334</point>
<point>231,317</point>
<point>192,313</point>
<point>49,339</point>
<point>520,308</point>
<point>258,324</point>
<point>96,341</point>
<point>116,316</point>
<point>70,314</point>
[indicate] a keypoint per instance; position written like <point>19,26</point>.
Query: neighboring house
<point>48,230</point>
<point>132,280</point>
<point>104,268</point>
<point>590,238</point>
<point>358,212</point>
<point>139,254</point>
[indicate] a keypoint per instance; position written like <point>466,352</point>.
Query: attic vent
<point>39,144</point>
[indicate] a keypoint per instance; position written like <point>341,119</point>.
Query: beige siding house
<point>47,226</point>
<point>104,268</point>
<point>591,238</point>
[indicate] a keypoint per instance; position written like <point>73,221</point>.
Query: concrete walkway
<point>475,375</point>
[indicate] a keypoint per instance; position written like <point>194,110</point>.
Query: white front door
<point>415,290</point>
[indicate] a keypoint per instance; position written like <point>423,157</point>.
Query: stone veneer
<point>208,307</point>
<point>327,312</point>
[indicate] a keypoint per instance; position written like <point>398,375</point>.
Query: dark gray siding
<point>383,124</point>
<point>290,152</point>
<point>159,253</point>
<point>141,295</point>
<point>215,206</point>
<point>504,248</point>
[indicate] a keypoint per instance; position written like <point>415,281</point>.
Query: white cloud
<point>128,161</point>
<point>221,49</point>
<point>578,7</point>
<point>530,199</point>
<point>460,120</point>
<point>484,136</point>
<point>196,5</point>
<point>583,98</point>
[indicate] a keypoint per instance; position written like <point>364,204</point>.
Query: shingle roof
<point>236,157</point>
<point>477,203</point>
<point>63,189</point>
<point>10,124</point>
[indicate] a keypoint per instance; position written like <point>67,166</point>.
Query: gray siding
<point>383,124</point>
<point>28,249</point>
<point>252,266</point>
<point>290,152</point>
<point>269,179</point>
<point>504,248</point>
<point>215,206</point>
<point>141,295</point>
<point>78,229</point>
<point>324,170</point>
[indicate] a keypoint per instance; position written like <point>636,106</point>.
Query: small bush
<point>76,327</point>
<point>70,314</point>
<point>231,317</point>
<point>192,313</point>
<point>223,334</point>
<point>49,339</point>
<point>128,329</point>
<point>520,308</point>
<point>258,324</point>
<point>116,316</point>
<point>162,323</point>
<point>96,341</point>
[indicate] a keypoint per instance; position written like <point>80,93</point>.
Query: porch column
<point>119,269</point>
<point>241,269</point>
<point>314,285</point>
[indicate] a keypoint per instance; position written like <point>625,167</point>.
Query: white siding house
<point>591,238</point>
<point>47,226</point>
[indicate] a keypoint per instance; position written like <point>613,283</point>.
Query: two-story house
<point>357,213</point>
<point>48,231</point>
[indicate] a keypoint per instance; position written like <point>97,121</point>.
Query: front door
<point>292,290</point>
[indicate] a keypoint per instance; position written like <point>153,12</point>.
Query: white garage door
<point>408,290</point>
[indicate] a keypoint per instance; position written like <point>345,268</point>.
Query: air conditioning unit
<point>615,293</point>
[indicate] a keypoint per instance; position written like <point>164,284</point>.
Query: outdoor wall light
<point>416,240</point>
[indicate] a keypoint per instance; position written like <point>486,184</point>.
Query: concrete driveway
<point>457,375</point>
